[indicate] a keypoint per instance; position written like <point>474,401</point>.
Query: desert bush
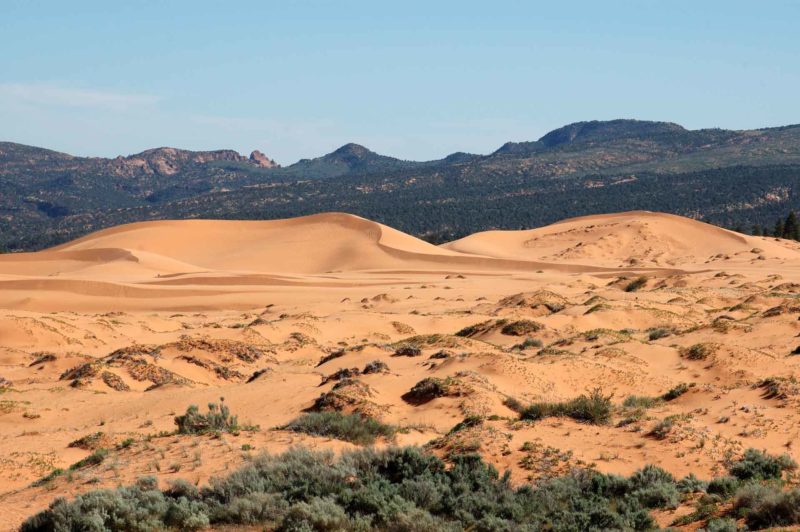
<point>218,419</point>
<point>354,428</point>
<point>758,465</point>
<point>97,457</point>
<point>766,506</point>
<point>528,343</point>
<point>376,366</point>
<point>662,429</point>
<point>721,524</point>
<point>340,374</point>
<point>699,351</point>
<point>725,487</point>
<point>593,408</point>
<point>407,350</point>
<point>636,284</point>
<point>676,392</point>
<point>331,356</point>
<point>521,328</point>
<point>392,489</point>
<point>640,401</point>
<point>426,390</point>
<point>691,484</point>
<point>659,332</point>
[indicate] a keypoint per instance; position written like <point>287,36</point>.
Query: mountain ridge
<point>727,177</point>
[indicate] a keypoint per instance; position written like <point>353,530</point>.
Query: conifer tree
<point>778,229</point>
<point>791,228</point>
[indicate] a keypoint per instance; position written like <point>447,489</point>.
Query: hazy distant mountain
<point>722,176</point>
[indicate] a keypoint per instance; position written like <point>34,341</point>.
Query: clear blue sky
<point>417,80</point>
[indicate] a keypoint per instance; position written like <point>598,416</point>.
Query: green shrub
<point>676,392</point>
<point>654,487</point>
<point>721,524</point>
<point>640,401</point>
<point>662,429</point>
<point>766,506</point>
<point>659,332</point>
<point>426,390</point>
<point>354,428</point>
<point>95,458</point>
<point>699,351</point>
<point>376,366</point>
<point>391,489</point>
<point>758,465</point>
<point>725,487</point>
<point>528,343</point>
<point>593,408</point>
<point>218,419</point>
<point>407,350</point>
<point>691,484</point>
<point>521,328</point>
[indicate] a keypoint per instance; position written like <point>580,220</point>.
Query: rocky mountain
<point>733,178</point>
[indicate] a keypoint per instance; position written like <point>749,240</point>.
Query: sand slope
<point>638,237</point>
<point>225,264</point>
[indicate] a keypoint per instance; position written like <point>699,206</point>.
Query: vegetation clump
<point>408,489</point>
<point>758,465</point>
<point>407,350</point>
<point>354,428</point>
<point>676,391</point>
<point>594,408</point>
<point>657,333</point>
<point>376,366</point>
<point>521,328</point>
<point>636,284</point>
<point>699,351</point>
<point>427,390</point>
<point>217,419</point>
<point>368,489</point>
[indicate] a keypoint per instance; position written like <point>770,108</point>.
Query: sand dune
<point>183,264</point>
<point>310,244</point>
<point>628,238</point>
<point>117,332</point>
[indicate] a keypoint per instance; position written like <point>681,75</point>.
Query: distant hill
<point>731,178</point>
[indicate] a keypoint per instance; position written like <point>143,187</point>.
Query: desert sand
<point>120,331</point>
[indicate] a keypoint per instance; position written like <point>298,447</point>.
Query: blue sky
<point>417,80</point>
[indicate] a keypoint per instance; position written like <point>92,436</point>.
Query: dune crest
<point>627,238</point>
<point>190,264</point>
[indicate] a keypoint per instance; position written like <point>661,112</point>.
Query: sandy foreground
<point>122,330</point>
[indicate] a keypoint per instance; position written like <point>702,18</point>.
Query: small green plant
<point>528,343</point>
<point>662,429</point>
<point>640,401</point>
<point>676,392</point>
<point>354,428</point>
<point>376,366</point>
<point>699,351</point>
<point>95,458</point>
<point>521,328</point>
<point>659,332</point>
<point>758,465</point>
<point>218,419</point>
<point>426,390</point>
<point>594,408</point>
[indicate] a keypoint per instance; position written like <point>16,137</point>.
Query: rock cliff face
<point>170,161</point>
<point>259,159</point>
